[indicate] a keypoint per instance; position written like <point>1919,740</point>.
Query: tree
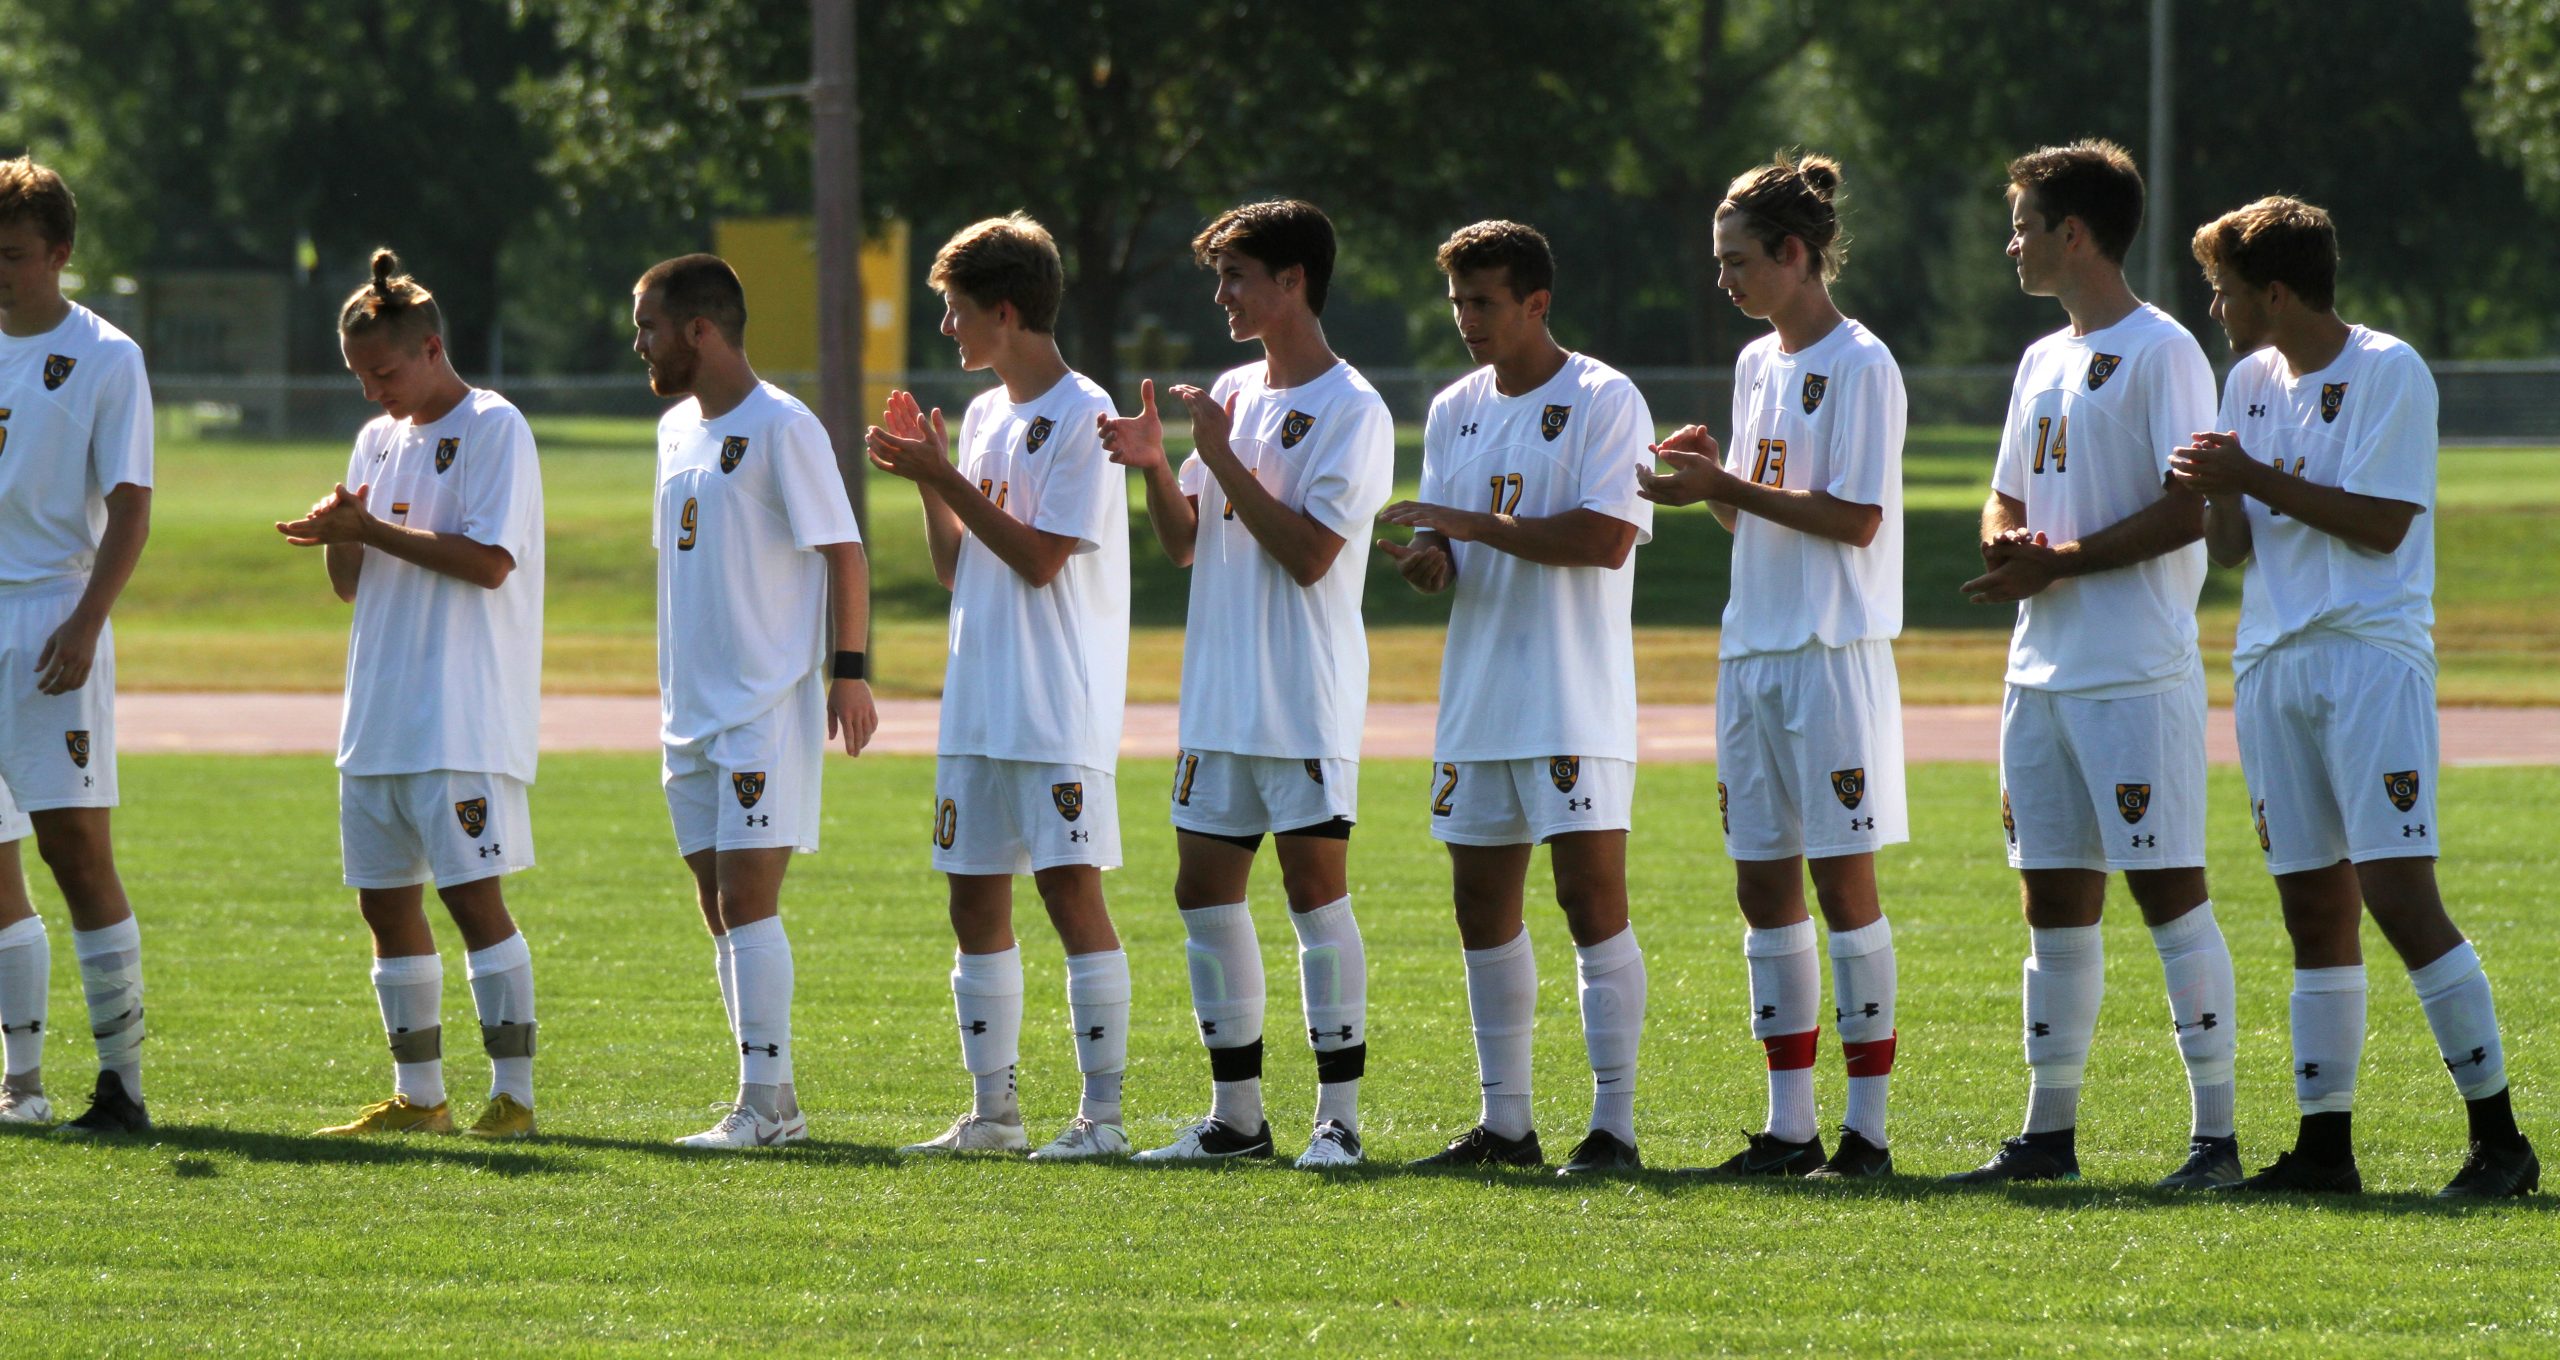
<point>2517,103</point>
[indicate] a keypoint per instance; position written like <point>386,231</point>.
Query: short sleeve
<point>1354,471</point>
<point>813,497</point>
<point>120,433</point>
<point>1866,443</point>
<point>1077,483</point>
<point>1619,441</point>
<point>1435,455</point>
<point>1193,477</point>
<point>2393,450</point>
<point>360,459</point>
<point>2008,475</point>
<point>2179,399</point>
<point>1734,434</point>
<point>502,487</point>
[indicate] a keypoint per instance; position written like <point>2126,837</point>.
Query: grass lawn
<point>231,1231</point>
<point>221,603</point>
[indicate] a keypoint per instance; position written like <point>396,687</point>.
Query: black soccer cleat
<point>1766,1155</point>
<point>2496,1171</point>
<point>1600,1154</point>
<point>1854,1159</point>
<point>2295,1174</point>
<point>2212,1164</point>
<point>1481,1146</point>
<point>2027,1157</point>
<point>112,1113</point>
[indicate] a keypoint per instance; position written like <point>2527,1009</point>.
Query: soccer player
<point>2320,480</point>
<point>764,599</point>
<point>439,547</point>
<point>1030,532</point>
<point>2102,760</point>
<point>1808,709</point>
<point>75,507</point>
<point>1529,511</point>
<point>1293,457</point>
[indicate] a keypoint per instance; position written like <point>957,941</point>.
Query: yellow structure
<point>777,260</point>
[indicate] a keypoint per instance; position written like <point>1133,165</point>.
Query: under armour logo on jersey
<point>1037,433</point>
<point>2101,368</point>
<point>2332,396</point>
<point>1577,805</point>
<point>78,744</point>
<point>57,370</point>
<point>2133,800</point>
<point>447,449</point>
<point>1862,823</point>
<point>769,1050</point>
<point>2146,842</point>
<point>1466,429</point>
<point>2408,832</point>
<point>2205,1021</point>
<point>1069,799</point>
<point>733,451</point>
<point>2479,1056</point>
<point>2037,1029</point>
<point>1815,384</point>
<point>2402,789</point>
<point>1849,786</point>
<point>2256,410</point>
<point>1295,428</point>
<point>2309,1071</point>
<point>748,785</point>
<point>473,813</point>
<point>1551,421</point>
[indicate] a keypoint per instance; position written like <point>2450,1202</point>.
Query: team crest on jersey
<point>1850,786</point>
<point>78,744</point>
<point>2264,842</point>
<point>473,813</point>
<point>1315,770</point>
<point>2403,788</point>
<point>1566,771</point>
<point>1724,819</point>
<point>1038,434</point>
<point>446,449</point>
<point>2332,396</point>
<point>748,785</point>
<point>1815,384</point>
<point>57,370</point>
<point>2101,368</point>
<point>1295,428</point>
<point>2133,800</point>
<point>1551,421</point>
<point>1069,798</point>
<point>733,451</point>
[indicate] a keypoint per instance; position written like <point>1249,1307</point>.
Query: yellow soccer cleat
<point>396,1115</point>
<point>504,1118</point>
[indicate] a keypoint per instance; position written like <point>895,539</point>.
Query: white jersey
<point>1271,667</point>
<point>2092,420</point>
<point>1540,660</point>
<point>744,502</point>
<point>2366,423</point>
<point>443,674</point>
<point>1041,673</point>
<point>1828,418</point>
<point>75,424</point>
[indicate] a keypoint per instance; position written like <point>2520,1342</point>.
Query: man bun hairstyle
<point>2275,240</point>
<point>35,195</point>
<point>392,303</point>
<point>1009,259</point>
<point>699,286</point>
<point>1791,196</point>
<point>1279,234</point>
<point>1519,250</point>
<point>2093,180</point>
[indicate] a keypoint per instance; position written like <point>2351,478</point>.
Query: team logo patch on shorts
<point>1566,771</point>
<point>473,813</point>
<point>2403,788</point>
<point>2008,819</point>
<point>1295,428</point>
<point>733,451</point>
<point>2333,396</point>
<point>1723,804</point>
<point>57,370</point>
<point>749,786</point>
<point>1038,434</point>
<point>1815,384</point>
<point>446,449</point>
<point>2133,800</point>
<point>2101,368</point>
<point>1850,786</point>
<point>1551,421</point>
<point>2264,843</point>
<point>1315,770</point>
<point>1069,798</point>
<point>78,744</point>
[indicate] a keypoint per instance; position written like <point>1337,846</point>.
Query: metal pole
<point>2164,164</point>
<point>836,175</point>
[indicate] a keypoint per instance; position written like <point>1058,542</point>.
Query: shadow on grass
<point>311,1150</point>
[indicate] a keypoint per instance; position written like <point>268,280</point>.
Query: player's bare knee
<point>2164,895</point>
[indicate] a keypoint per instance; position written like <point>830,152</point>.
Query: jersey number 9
<point>690,520</point>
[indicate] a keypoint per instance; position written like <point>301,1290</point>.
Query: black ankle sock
<point>2327,1138</point>
<point>2493,1120</point>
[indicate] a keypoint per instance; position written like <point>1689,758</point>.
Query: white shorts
<point>441,825</point>
<point>1220,793</point>
<point>2104,783</point>
<point>56,750</point>
<point>995,816</point>
<point>1809,752</point>
<point>2338,741</point>
<point>756,786</point>
<point>1532,801</point>
<point>14,824</point>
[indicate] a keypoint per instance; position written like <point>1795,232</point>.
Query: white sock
<point>1502,1001</point>
<point>111,972</point>
<point>763,960</point>
<point>2196,965</point>
<point>1862,994</point>
<point>1610,976</point>
<point>26,973</point>
<point>1786,992</point>
<point>1333,984</point>
<point>2066,978</point>
<point>2328,1037</point>
<point>1098,1006</point>
<point>502,991</point>
<point>2455,995</point>
<point>724,966</point>
<point>410,989</point>
<point>986,991</point>
<point>1227,1001</point>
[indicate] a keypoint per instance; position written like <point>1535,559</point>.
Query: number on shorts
<point>1440,806</point>
<point>1771,469</point>
<point>946,824</point>
<point>690,520</point>
<point>1186,766</point>
<point>2060,430</point>
<point>4,429</point>
<point>1502,482</point>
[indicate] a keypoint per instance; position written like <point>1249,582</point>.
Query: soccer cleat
<point>24,1107</point>
<point>1085,1140</point>
<point>1767,1155</point>
<point>1334,1144</point>
<point>971,1133</point>
<point>1481,1146</point>
<point>2212,1163</point>
<point>743,1129</point>
<point>111,1112</point>
<point>396,1115</point>
<point>1211,1141</point>
<point>1599,1154</point>
<point>2496,1171</point>
<point>2027,1157</point>
<point>504,1118</point>
<point>2295,1174</point>
<point>1854,1159</point>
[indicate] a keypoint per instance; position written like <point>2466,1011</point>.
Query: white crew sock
<point>1862,994</point>
<point>1610,976</point>
<point>2328,1037</point>
<point>1786,992</point>
<point>502,992</point>
<point>2066,978</point>
<point>1333,984</point>
<point>986,992</point>
<point>1502,1001</point>
<point>410,989</point>
<point>2196,965</point>
<point>2455,994</point>
<point>1227,1001</point>
<point>1098,1006</point>
<point>26,973</point>
<point>762,956</point>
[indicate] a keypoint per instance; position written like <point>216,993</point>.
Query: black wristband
<point>846,666</point>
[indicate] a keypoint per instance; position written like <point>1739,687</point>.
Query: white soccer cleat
<point>1211,1141</point>
<point>744,1130</point>
<point>1085,1141</point>
<point>973,1133</point>
<point>20,1107</point>
<point>1334,1145</point>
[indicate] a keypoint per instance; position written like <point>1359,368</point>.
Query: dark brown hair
<point>2275,240</point>
<point>1518,250</point>
<point>704,286</point>
<point>34,194</point>
<point>1278,234</point>
<point>1791,196</point>
<point>2093,180</point>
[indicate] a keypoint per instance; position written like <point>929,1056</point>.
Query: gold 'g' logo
<point>1815,384</point>
<point>749,786</point>
<point>78,744</point>
<point>2101,368</point>
<point>1566,771</point>
<point>2333,396</point>
<point>2133,800</point>
<point>1295,428</point>
<point>1723,809</point>
<point>733,451</point>
<point>57,370</point>
<point>1038,434</point>
<point>473,813</point>
<point>946,824</point>
<point>2403,788</point>
<point>1069,798</point>
<point>2264,843</point>
<point>1551,421</point>
<point>1850,786</point>
<point>446,449</point>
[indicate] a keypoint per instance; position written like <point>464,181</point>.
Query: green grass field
<point>231,1231</point>
<point>221,603</point>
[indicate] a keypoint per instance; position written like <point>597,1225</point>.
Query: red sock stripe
<point>1787,1052</point>
<point>1870,1059</point>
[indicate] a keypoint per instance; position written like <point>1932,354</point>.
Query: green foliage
<point>2517,102</point>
